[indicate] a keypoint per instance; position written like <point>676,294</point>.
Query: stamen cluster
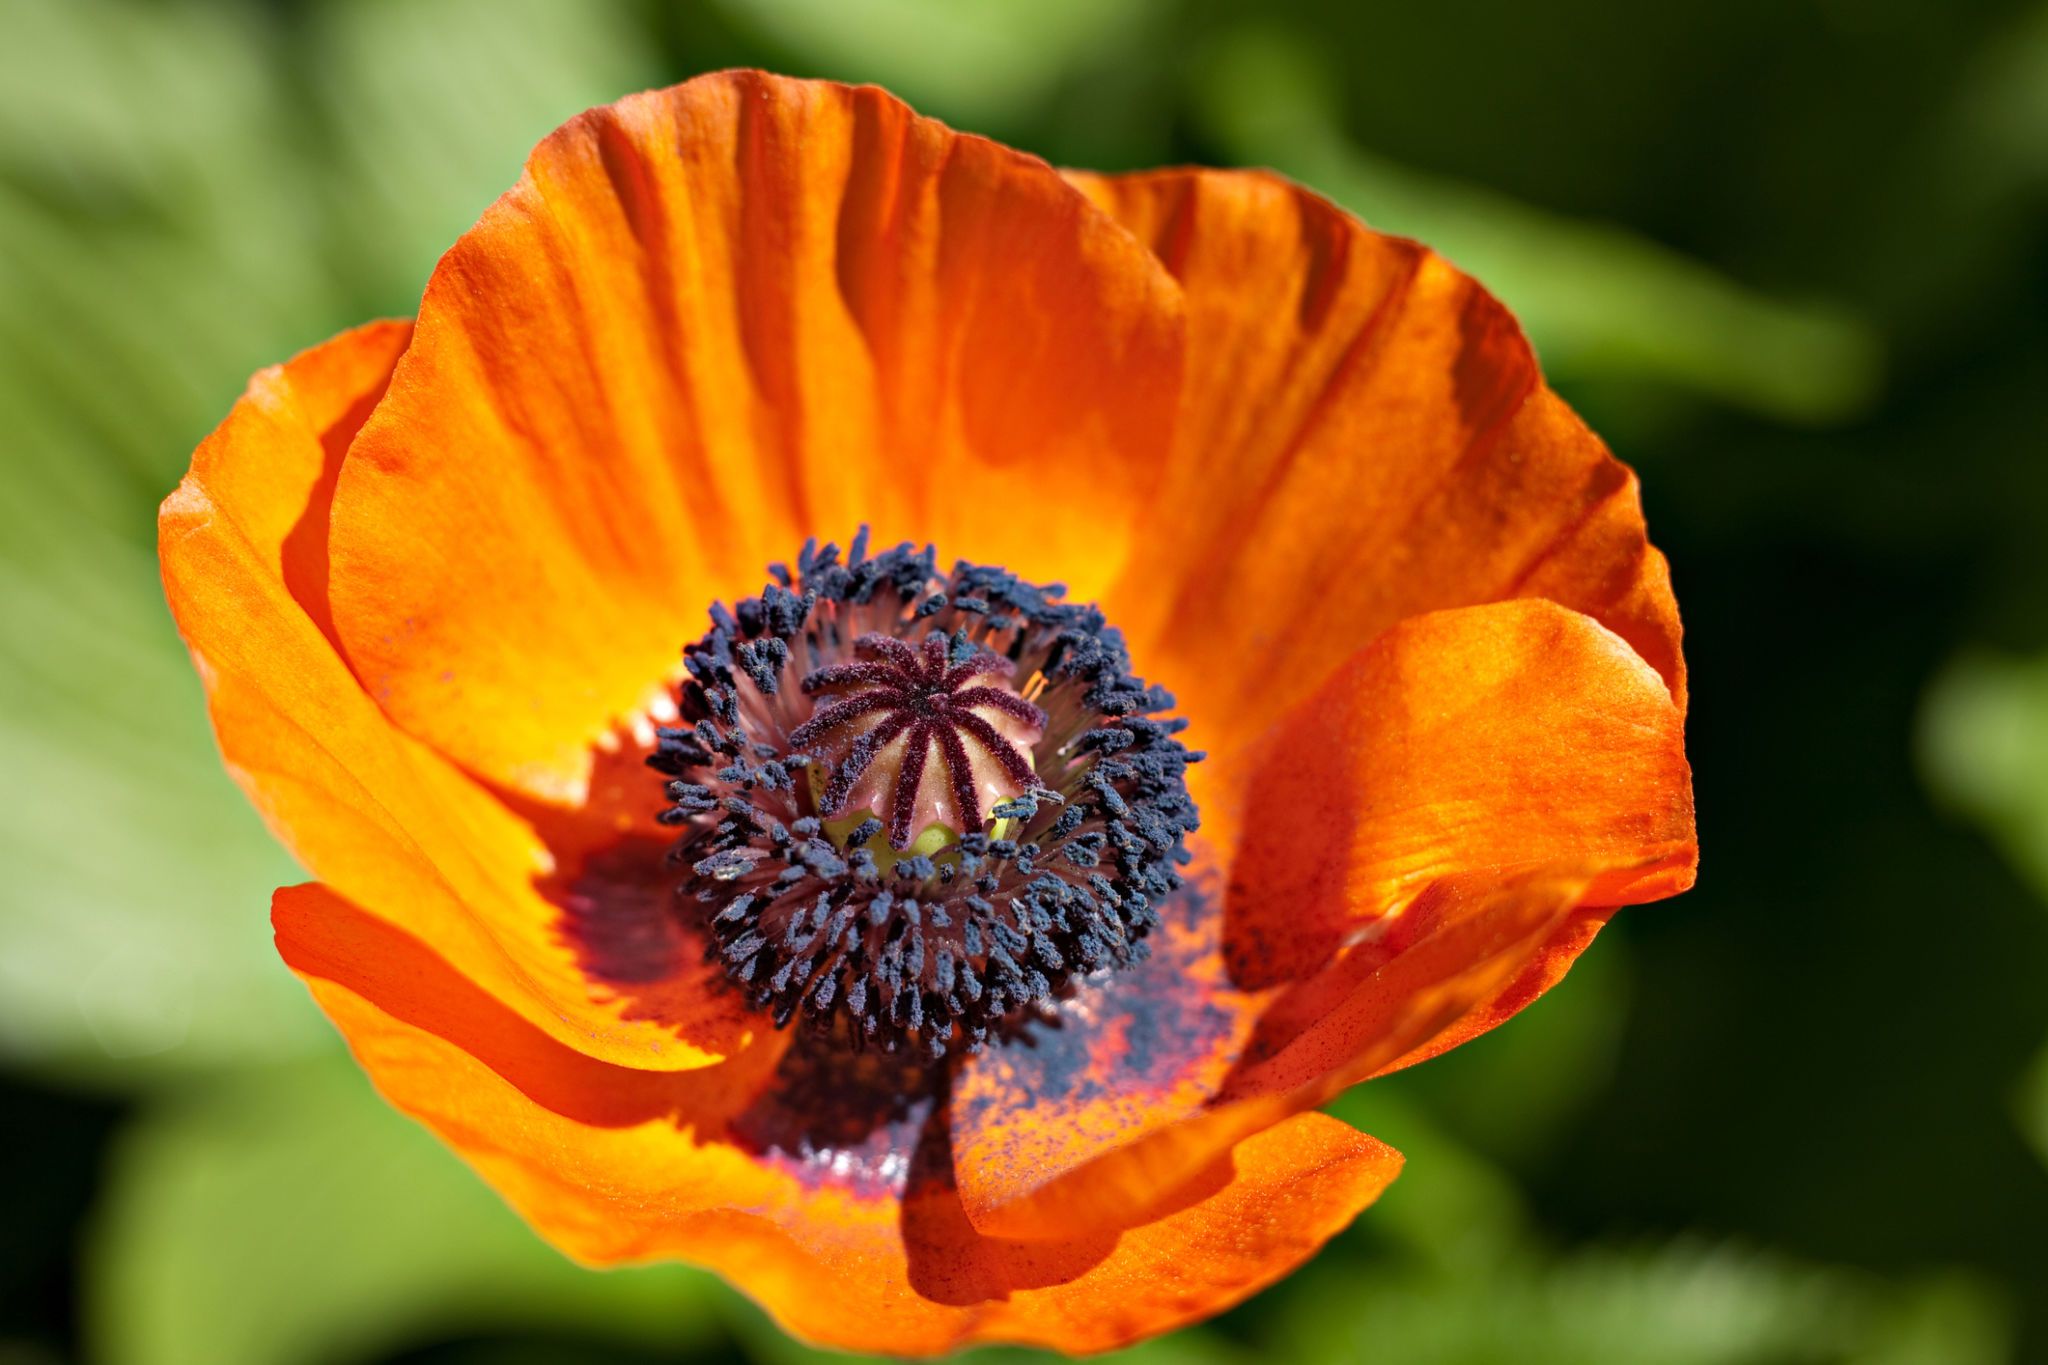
<point>1057,796</point>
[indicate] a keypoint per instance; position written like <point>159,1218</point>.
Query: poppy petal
<point>1129,1054</point>
<point>1464,941</point>
<point>1480,742</point>
<point>1506,736</point>
<point>376,813</point>
<point>614,1165</point>
<point>1363,436</point>
<point>708,322</point>
<point>1545,968</point>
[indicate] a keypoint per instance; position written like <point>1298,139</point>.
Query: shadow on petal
<point>860,1120</point>
<point>795,1104</point>
<point>1126,1056</point>
<point>1460,943</point>
<point>1502,737</point>
<point>952,1262</point>
<point>304,547</point>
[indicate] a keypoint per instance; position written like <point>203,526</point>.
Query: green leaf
<point>1596,300</point>
<point>168,232</point>
<point>2031,1104</point>
<point>149,217</point>
<point>1983,745</point>
<point>1683,1303</point>
<point>1984,749</point>
<point>1448,1268</point>
<point>123,99</point>
<point>1517,1090</point>
<point>432,105</point>
<point>291,1215</point>
<point>1450,1207</point>
<point>156,215</point>
<point>134,929</point>
<point>978,64</point>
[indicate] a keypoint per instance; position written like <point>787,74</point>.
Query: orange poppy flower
<point>931,991</point>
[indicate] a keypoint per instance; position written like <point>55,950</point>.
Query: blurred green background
<point>1788,255</point>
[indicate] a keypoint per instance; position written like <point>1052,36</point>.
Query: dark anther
<point>1035,810</point>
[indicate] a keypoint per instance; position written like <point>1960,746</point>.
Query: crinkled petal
<point>866,1248</point>
<point>1463,748</point>
<point>1363,436</point>
<point>378,815</point>
<point>1129,1054</point>
<point>1499,737</point>
<point>1462,943</point>
<point>707,322</point>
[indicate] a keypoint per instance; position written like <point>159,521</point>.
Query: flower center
<point>903,732</point>
<point>914,804</point>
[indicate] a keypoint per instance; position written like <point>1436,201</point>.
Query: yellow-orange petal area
<point>1501,737</point>
<point>375,813</point>
<point>1514,745</point>
<point>620,1165</point>
<point>708,322</point>
<point>1363,436</point>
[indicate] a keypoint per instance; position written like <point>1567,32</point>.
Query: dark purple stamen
<point>921,696</point>
<point>796,694</point>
